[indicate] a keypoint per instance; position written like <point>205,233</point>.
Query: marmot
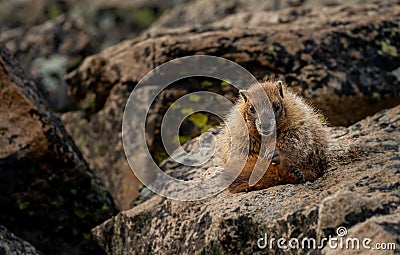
<point>301,137</point>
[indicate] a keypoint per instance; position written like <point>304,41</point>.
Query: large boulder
<point>48,51</point>
<point>358,192</point>
<point>25,13</point>
<point>204,12</point>
<point>11,244</point>
<point>49,196</point>
<point>51,38</point>
<point>99,138</point>
<point>344,60</point>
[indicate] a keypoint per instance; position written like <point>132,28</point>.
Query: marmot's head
<point>264,109</point>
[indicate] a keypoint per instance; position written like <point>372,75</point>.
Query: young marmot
<point>300,152</point>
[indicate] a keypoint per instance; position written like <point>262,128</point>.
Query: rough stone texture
<point>49,196</point>
<point>13,245</point>
<point>30,13</point>
<point>99,138</point>
<point>344,60</point>
<point>380,229</point>
<point>51,38</point>
<point>208,11</point>
<point>48,51</point>
<point>347,65</point>
<point>360,191</point>
<point>108,159</point>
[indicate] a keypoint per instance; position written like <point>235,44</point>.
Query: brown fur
<point>301,139</point>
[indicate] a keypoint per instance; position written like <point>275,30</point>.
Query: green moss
<point>225,83</point>
<point>187,111</point>
<point>87,236</point>
<point>81,210</point>
<point>389,49</point>
<point>175,106</point>
<point>376,96</point>
<point>194,98</point>
<point>199,119</point>
<point>160,157</point>
<point>206,83</point>
<point>54,11</point>
<point>143,17</point>
<point>105,208</point>
<point>22,205</point>
<point>322,118</point>
<point>206,127</point>
<point>179,140</point>
<point>271,48</point>
<point>5,245</point>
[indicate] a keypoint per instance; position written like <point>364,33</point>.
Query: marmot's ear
<point>243,93</point>
<point>279,85</point>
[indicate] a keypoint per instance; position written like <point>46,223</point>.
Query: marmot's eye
<point>277,106</point>
<point>252,110</point>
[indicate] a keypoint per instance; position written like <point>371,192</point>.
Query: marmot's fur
<point>301,137</point>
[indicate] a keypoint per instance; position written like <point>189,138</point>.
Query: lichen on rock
<point>50,197</point>
<point>359,191</point>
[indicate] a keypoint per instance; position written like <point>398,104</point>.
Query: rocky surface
<point>48,51</point>
<point>344,60</point>
<point>334,62</point>
<point>25,13</point>
<point>49,196</point>
<point>51,38</point>
<point>107,159</point>
<point>203,12</point>
<point>359,191</point>
<point>11,244</point>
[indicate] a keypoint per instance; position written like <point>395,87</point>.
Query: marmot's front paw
<point>299,175</point>
<point>276,158</point>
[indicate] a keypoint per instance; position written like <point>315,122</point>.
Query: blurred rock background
<point>85,57</point>
<point>52,37</point>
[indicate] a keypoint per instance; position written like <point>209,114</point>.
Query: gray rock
<point>320,52</point>
<point>13,245</point>
<point>204,12</point>
<point>326,54</point>
<point>49,195</point>
<point>358,191</point>
<point>379,234</point>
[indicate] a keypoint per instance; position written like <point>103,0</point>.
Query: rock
<point>55,44</point>
<point>50,197</point>
<point>203,12</point>
<point>108,159</point>
<point>380,230</point>
<point>345,64</point>
<point>27,13</point>
<point>48,51</point>
<point>11,244</point>
<point>359,191</point>
<point>319,51</point>
<point>99,138</point>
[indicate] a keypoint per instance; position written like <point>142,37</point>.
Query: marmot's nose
<point>267,128</point>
